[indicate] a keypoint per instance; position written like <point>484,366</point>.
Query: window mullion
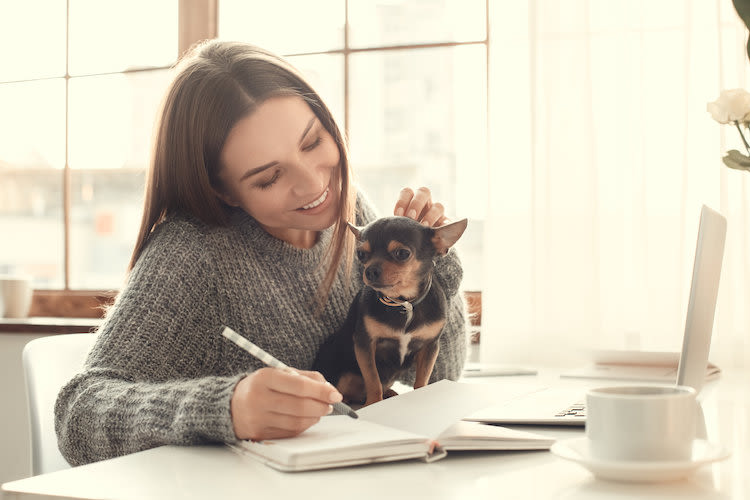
<point>346,68</point>
<point>198,20</point>
<point>66,168</point>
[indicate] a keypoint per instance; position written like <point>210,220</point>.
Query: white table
<point>217,472</point>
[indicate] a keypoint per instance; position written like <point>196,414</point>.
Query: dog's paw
<point>373,400</point>
<point>389,394</point>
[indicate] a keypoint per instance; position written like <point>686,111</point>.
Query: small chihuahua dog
<point>398,315</point>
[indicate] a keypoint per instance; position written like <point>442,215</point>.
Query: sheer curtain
<point>601,155</point>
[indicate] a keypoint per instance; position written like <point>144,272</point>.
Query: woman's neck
<point>299,238</point>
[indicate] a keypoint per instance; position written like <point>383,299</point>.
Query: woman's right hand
<point>271,404</point>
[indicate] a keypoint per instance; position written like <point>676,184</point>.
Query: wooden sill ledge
<point>55,312</point>
<point>48,325</point>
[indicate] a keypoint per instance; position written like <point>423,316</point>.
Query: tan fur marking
<point>425,358</point>
<point>403,276</point>
<point>395,245</point>
<point>378,330</point>
<point>366,362</point>
<point>425,362</point>
<point>427,332</point>
<point>365,246</point>
<point>352,387</point>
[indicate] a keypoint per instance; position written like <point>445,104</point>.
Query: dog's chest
<point>388,337</point>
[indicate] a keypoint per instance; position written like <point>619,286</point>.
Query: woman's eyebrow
<point>257,170</point>
<point>260,169</point>
<point>307,128</point>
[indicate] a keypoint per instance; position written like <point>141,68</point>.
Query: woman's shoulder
<point>190,230</point>
<point>180,237</point>
<point>179,229</point>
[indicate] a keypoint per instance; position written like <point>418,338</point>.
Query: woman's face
<point>281,166</point>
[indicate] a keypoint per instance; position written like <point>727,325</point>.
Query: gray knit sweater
<point>160,372</point>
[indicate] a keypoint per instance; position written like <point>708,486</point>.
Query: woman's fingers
<point>412,204</point>
<point>434,216</point>
<point>402,204</point>
<point>303,384</point>
<point>313,375</point>
<point>418,205</point>
<point>270,398</point>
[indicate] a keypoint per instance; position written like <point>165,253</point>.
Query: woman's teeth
<point>316,202</point>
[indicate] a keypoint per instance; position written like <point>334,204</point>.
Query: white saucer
<point>577,450</point>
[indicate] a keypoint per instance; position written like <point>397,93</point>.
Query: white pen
<point>262,355</point>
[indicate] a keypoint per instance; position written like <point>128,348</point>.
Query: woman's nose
<point>309,178</point>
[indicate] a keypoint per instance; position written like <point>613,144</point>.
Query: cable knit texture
<point>160,372</point>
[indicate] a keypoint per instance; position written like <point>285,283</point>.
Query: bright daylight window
<point>408,81</point>
<point>77,111</point>
<point>78,92</point>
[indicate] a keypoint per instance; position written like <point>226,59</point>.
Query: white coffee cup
<point>641,423</point>
<point>16,293</point>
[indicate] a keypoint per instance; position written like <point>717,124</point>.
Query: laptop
<point>565,406</point>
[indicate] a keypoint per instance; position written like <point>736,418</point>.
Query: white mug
<point>16,293</point>
<point>641,423</point>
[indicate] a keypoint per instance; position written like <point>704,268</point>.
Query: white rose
<point>732,105</point>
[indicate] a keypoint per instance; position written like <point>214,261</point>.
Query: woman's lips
<point>323,197</point>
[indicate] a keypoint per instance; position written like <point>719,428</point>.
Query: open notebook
<point>424,423</point>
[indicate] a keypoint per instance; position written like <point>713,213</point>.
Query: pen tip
<point>343,409</point>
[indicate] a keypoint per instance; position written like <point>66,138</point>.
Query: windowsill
<point>48,325</point>
<point>48,305</point>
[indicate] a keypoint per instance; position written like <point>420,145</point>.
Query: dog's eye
<point>361,255</point>
<point>401,254</point>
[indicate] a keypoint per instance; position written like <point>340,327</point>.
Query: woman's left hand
<point>420,207</point>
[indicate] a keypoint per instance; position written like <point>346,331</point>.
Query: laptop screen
<point>704,290</point>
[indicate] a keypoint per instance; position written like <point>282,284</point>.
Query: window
<point>406,79</point>
<point>78,104</point>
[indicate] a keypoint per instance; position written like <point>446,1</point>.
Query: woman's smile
<point>317,203</point>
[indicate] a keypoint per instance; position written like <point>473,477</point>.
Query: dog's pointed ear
<point>356,230</point>
<point>446,236</point>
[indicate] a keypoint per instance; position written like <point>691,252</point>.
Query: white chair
<point>48,363</point>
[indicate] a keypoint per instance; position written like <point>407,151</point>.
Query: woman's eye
<point>361,255</point>
<point>401,254</point>
<point>270,182</point>
<point>312,145</point>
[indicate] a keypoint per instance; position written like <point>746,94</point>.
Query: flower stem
<point>744,141</point>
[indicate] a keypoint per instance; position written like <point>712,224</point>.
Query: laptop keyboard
<point>575,410</point>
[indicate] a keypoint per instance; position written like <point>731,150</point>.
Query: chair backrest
<point>48,363</point>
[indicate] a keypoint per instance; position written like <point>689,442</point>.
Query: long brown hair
<point>218,83</point>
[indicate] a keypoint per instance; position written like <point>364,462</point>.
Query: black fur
<point>336,356</point>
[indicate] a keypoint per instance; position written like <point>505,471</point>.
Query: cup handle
<point>700,422</point>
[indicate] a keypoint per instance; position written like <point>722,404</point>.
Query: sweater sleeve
<point>453,340</point>
<point>151,377</point>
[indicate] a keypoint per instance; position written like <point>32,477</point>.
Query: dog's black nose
<point>373,273</point>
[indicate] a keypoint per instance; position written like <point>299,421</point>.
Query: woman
<point>244,225</point>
